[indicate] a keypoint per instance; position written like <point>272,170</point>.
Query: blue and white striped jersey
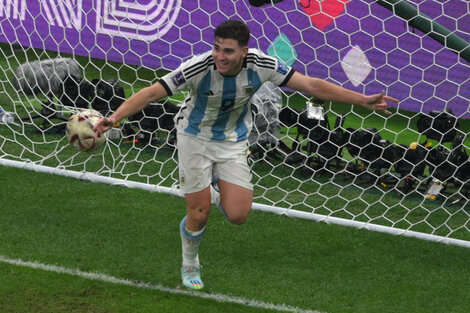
<point>219,107</point>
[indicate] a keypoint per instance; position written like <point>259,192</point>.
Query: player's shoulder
<point>257,58</point>
<point>198,64</point>
<point>188,72</point>
<point>268,66</point>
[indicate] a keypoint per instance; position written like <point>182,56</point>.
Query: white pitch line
<point>127,282</point>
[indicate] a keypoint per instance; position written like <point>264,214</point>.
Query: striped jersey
<point>219,107</point>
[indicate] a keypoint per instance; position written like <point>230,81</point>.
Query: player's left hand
<point>379,102</point>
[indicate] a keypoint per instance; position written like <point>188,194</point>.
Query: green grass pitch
<point>133,235</point>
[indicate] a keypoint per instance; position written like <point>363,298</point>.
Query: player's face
<point>228,56</point>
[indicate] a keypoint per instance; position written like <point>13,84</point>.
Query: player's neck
<point>231,75</point>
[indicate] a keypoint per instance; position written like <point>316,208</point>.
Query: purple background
<point>409,65</point>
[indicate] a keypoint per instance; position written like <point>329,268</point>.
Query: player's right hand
<point>379,102</point>
<point>103,125</point>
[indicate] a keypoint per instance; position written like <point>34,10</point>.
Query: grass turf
<point>133,234</point>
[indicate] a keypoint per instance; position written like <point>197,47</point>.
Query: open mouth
<point>222,66</point>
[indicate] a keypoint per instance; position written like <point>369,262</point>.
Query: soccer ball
<point>79,130</point>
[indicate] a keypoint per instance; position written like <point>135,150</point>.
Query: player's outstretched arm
<point>136,103</point>
<point>324,90</point>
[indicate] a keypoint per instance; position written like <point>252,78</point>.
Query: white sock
<point>190,244</point>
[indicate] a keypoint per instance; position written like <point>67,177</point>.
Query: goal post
<point>431,28</point>
<point>406,174</point>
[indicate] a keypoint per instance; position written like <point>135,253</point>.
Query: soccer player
<point>213,125</point>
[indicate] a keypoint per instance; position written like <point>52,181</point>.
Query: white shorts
<point>200,161</point>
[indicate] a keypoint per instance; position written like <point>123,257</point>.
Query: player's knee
<point>199,215</point>
<point>238,220</point>
<point>238,216</point>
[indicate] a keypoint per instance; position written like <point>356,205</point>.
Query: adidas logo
<point>209,93</point>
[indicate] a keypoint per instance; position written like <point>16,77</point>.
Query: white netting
<point>409,171</point>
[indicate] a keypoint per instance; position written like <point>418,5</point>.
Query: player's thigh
<point>236,188</point>
<point>235,199</point>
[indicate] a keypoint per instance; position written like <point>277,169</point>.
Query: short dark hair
<point>233,29</point>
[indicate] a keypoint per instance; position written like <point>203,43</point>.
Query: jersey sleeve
<point>285,72</point>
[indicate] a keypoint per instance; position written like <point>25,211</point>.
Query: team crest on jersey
<point>282,68</point>
<point>249,90</point>
<point>178,79</point>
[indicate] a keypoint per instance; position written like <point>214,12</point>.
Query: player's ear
<point>245,51</point>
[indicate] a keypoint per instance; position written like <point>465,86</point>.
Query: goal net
<point>408,173</point>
